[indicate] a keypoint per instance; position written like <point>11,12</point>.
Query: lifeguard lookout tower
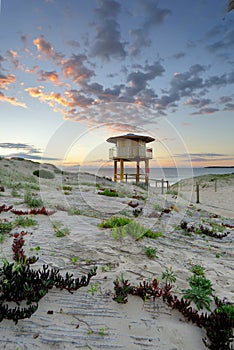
<point>130,148</point>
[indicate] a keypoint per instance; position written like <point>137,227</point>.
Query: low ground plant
<point>75,259</point>
<point>169,276</point>
<point>118,233</point>
<point>218,323</point>
<point>135,230</point>
<point>150,252</point>
<point>109,193</point>
<point>114,221</point>
<point>139,231</point>
<point>25,221</point>
<point>60,230</point>
<point>198,270</point>
<point>32,201</point>
<point>67,188</point>
<point>32,186</point>
<point>23,286</point>
<point>74,211</point>
<point>15,193</point>
<point>5,228</point>
<point>200,291</point>
<point>93,289</point>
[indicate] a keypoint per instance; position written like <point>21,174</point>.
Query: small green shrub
<point>114,221</point>
<point>32,186</point>
<point>120,228</point>
<point>118,233</point>
<point>5,227</point>
<point>32,201</point>
<point>45,174</point>
<point>139,231</point>
<point>198,270</point>
<point>151,252</point>
<point>109,193</point>
<point>67,193</point>
<point>73,211</point>
<point>60,230</point>
<point>169,276</point>
<point>67,188</point>
<point>75,259</point>
<point>25,221</point>
<point>93,288</point>
<point>15,193</point>
<point>200,292</point>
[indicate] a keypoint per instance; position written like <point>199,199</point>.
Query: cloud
<point>138,80</point>
<point>204,157</point>
<point>154,15</point>
<point>141,40</point>
<point>13,59</point>
<point>107,43</point>
<point>18,146</point>
<point>29,156</point>
<point>229,107</point>
<point>45,47</point>
<point>28,151</point>
<point>77,99</point>
<point>116,116</point>
<point>226,43</point>
<point>207,110</point>
<point>6,80</point>
<point>75,69</point>
<point>12,100</point>
<point>191,84</point>
<point>225,99</point>
<point>198,103</point>
<point>49,76</point>
<point>179,55</point>
<point>24,39</point>
<point>53,98</point>
<point>73,43</point>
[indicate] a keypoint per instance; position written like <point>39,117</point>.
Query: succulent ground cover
<point>24,286</point>
<point>218,323</point>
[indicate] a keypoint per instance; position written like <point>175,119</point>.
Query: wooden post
<point>147,172</point>
<point>115,170</point>
<point>215,185</point>
<point>162,186</point>
<point>121,170</point>
<point>197,192</point>
<point>137,171</point>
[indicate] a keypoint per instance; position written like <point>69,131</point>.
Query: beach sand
<point>89,318</point>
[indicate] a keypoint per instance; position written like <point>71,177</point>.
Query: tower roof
<point>130,136</point>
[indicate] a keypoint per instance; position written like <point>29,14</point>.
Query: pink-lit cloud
<point>6,80</point>
<point>12,100</point>
<point>45,47</point>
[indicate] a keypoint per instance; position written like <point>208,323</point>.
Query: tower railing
<point>130,153</point>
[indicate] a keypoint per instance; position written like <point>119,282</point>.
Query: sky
<point>74,73</point>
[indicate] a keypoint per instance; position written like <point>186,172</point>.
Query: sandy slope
<point>79,319</point>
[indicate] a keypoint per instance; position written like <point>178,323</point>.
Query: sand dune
<point>86,321</point>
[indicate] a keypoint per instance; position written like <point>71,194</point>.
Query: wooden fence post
<point>197,192</point>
